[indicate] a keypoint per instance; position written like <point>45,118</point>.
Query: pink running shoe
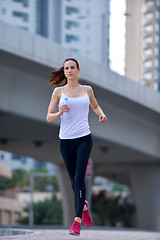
<point>75,229</point>
<point>86,217</point>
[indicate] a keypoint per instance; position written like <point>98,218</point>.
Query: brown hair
<point>58,77</point>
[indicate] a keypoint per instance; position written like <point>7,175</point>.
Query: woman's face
<point>70,69</point>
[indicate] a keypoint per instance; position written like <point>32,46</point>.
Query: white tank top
<point>77,123</point>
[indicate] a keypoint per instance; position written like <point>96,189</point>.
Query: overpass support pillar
<point>67,195</point>
<point>145,182</point>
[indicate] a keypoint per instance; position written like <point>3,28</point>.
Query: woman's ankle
<point>78,219</point>
<point>85,208</point>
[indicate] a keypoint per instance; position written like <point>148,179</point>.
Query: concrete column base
<point>145,182</point>
<point>67,195</point>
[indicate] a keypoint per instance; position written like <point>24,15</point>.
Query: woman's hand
<point>103,118</point>
<point>64,108</point>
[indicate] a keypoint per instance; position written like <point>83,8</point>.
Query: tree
<point>109,211</point>
<point>48,212</point>
<point>21,179</point>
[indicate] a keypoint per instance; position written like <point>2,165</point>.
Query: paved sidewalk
<point>62,234</point>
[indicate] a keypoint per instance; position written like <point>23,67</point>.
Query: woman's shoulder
<point>88,88</point>
<point>57,92</point>
<point>89,91</point>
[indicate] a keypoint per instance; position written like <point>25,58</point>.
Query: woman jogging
<point>73,100</point>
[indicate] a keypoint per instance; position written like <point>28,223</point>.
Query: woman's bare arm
<point>51,114</point>
<point>94,105</point>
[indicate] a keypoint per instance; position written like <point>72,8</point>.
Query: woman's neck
<point>72,84</point>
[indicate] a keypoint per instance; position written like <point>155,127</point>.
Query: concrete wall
<point>5,171</point>
<point>10,210</point>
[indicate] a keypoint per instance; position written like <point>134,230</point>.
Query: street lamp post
<point>31,208</point>
<point>31,220</point>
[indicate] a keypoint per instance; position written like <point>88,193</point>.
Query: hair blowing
<point>58,77</point>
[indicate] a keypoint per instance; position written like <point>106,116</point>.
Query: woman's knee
<point>79,181</point>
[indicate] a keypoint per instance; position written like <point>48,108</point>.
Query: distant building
<point>80,25</point>
<point>10,209</point>
<point>26,163</point>
<point>143,42</point>
<point>85,28</point>
<point>19,12</point>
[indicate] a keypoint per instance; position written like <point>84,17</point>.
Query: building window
<point>71,38</point>
<point>148,42</point>
<point>157,27</point>
<point>88,12</point>
<point>148,29</point>
<point>3,11</point>
<point>23,16</point>
<point>24,28</point>
<point>149,18</point>
<point>149,5</point>
<point>157,14</point>
<point>156,63</point>
<point>148,53</point>
<point>87,53</point>
<point>72,10</point>
<point>156,39</point>
<point>156,51</point>
<point>24,2</point>
<point>156,75</point>
<point>21,159</point>
<point>88,40</point>
<point>147,66</point>
<point>72,24</point>
<point>75,50</point>
<point>148,77</point>
<point>38,165</point>
<point>15,157</point>
<point>88,26</point>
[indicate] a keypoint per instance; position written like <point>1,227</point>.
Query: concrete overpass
<point>127,149</point>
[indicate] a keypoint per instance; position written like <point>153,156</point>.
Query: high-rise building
<point>143,42</point>
<point>84,28</point>
<point>18,12</point>
<point>80,25</point>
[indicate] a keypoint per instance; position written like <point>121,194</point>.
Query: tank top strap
<point>62,89</point>
<point>85,88</point>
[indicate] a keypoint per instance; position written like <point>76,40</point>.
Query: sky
<point>117,35</point>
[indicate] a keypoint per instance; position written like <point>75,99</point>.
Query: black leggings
<point>76,153</point>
